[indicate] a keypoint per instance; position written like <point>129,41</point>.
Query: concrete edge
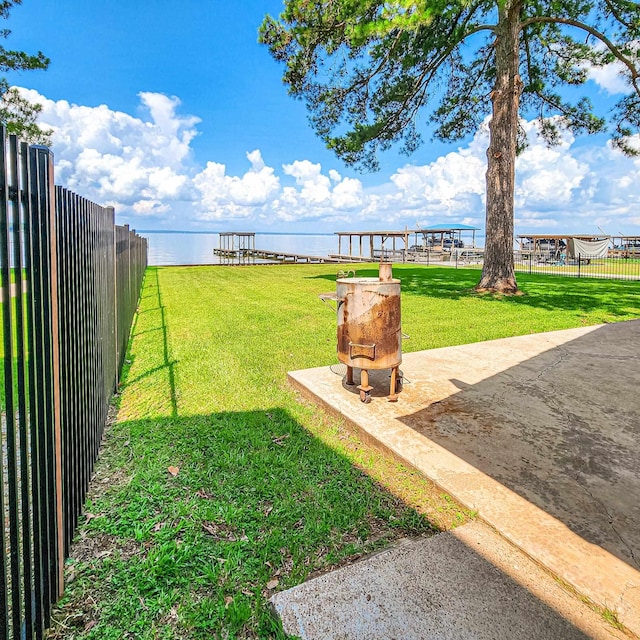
<point>566,563</point>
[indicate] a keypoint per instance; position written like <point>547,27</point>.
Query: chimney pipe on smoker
<point>385,274</point>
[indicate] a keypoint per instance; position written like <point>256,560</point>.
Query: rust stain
<point>380,325</point>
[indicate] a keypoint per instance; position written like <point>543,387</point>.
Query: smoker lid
<point>367,281</point>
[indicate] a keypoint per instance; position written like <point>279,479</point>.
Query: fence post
<point>111,212</point>
<point>128,236</point>
<point>56,375</point>
<point>9,599</point>
<point>579,263</point>
<point>47,157</point>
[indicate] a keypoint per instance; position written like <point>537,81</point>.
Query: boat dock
<point>438,244</point>
<point>250,255</point>
<point>240,248</point>
<point>343,257</point>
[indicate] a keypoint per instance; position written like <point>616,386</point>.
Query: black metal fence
<point>614,265</point>
<point>70,284</point>
<point>130,263</point>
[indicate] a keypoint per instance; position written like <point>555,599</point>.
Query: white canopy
<point>587,248</point>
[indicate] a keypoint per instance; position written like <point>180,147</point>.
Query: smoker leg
<point>393,390</point>
<point>349,379</point>
<point>365,388</point>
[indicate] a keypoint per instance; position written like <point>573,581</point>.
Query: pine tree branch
<point>633,70</point>
<point>614,11</point>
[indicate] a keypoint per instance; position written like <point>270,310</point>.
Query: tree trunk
<point>498,273</point>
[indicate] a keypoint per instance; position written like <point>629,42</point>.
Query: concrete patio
<point>539,434</point>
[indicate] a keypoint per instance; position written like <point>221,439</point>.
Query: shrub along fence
<point>70,281</point>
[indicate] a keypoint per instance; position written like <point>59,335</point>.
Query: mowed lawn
<point>217,485</point>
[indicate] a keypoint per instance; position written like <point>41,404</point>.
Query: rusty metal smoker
<point>369,328</point>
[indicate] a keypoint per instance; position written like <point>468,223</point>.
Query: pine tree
<point>367,67</point>
<point>18,114</point>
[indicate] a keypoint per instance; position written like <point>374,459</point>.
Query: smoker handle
<point>326,297</point>
<point>405,336</point>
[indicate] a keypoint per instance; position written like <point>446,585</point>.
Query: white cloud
<point>315,197</point>
<point>614,77</point>
<point>611,78</point>
<point>232,196</point>
<point>547,176</point>
<point>316,187</point>
<point>145,167</point>
<point>111,157</point>
<point>444,181</point>
<point>150,207</point>
<point>347,194</point>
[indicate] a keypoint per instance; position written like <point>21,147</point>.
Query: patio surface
<point>539,434</point>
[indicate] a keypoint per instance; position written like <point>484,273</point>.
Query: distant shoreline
<point>258,233</point>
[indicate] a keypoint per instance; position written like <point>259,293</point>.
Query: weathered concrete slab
<point>537,433</point>
<point>466,583</point>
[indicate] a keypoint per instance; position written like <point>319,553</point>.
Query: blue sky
<point>174,114</point>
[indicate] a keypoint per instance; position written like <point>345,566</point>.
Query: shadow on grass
<point>258,505</point>
<point>167,364</point>
<point>616,297</point>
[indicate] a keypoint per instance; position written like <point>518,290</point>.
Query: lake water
<point>197,248</point>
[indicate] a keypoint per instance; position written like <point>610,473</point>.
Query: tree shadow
<point>559,428</point>
<point>167,365</point>
<point>257,501</point>
<point>617,298</point>
<point>257,504</point>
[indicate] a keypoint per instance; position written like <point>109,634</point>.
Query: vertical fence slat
<point>7,209</point>
<point>37,400</point>
<point>33,409</point>
<point>73,313</point>
<point>85,392</point>
<point>21,166</point>
<point>55,356</point>
<point>8,555</point>
<point>63,293</point>
<point>42,304</point>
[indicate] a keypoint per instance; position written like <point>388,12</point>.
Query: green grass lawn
<point>264,490</point>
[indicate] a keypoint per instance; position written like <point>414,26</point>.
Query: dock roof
<point>237,233</point>
<point>397,234</point>
<point>562,236</point>
<point>449,227</point>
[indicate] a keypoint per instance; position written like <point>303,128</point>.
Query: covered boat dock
<point>401,246</point>
<point>444,237</point>
<point>626,246</point>
<point>557,247</point>
<point>373,245</point>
